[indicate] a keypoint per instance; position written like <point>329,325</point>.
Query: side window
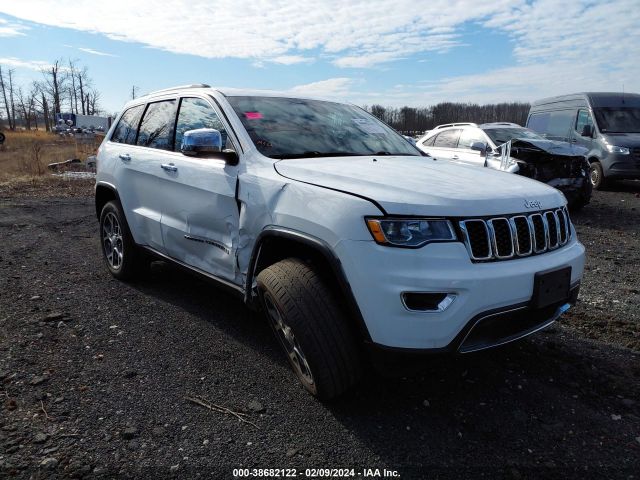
<point>469,136</point>
<point>197,113</point>
<point>447,139</point>
<point>125,131</point>
<point>429,141</point>
<point>560,123</point>
<point>584,118</point>
<point>539,122</point>
<point>156,129</point>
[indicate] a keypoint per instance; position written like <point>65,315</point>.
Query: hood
<point>623,139</point>
<point>423,185</point>
<point>550,146</point>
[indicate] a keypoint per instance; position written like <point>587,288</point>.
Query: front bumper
<point>379,275</point>
<point>575,190</point>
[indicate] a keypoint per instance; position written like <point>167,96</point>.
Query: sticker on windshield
<point>253,115</point>
<point>369,126</point>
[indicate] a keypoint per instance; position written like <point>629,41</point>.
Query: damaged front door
<point>200,215</point>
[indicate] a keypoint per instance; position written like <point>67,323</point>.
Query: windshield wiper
<point>314,153</point>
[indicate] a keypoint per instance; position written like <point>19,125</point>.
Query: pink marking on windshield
<point>253,115</point>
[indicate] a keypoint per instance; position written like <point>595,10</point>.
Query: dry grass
<point>27,154</point>
<point>46,186</point>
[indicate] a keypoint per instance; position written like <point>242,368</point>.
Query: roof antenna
<point>623,93</point>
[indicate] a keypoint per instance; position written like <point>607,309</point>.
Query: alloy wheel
<point>112,242</point>
<point>289,342</point>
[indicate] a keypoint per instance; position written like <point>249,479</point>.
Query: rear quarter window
<point>447,139</point>
<point>429,141</point>
<point>127,128</point>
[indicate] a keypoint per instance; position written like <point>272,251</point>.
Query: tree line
<point>412,121</point>
<point>65,86</point>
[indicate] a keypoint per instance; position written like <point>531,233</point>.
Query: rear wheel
<point>596,174</point>
<point>123,258</point>
<point>311,328</point>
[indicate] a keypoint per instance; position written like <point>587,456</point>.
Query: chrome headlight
<point>410,232</point>
<point>620,150</point>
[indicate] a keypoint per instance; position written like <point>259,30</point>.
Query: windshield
<point>503,135</point>
<point>618,119</point>
<point>297,128</point>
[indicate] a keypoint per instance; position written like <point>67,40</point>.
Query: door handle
<point>125,157</point>
<point>169,167</point>
<point>455,157</point>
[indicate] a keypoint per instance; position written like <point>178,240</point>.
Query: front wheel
<point>596,174</point>
<point>123,258</point>
<point>311,328</point>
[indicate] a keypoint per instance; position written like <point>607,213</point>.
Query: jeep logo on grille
<point>532,204</point>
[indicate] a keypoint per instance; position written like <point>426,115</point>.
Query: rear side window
<point>538,122</point>
<point>447,139</point>
<point>197,113</point>
<point>125,131</point>
<point>561,123</point>
<point>469,136</point>
<point>156,129</point>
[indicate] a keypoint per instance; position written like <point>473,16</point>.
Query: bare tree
<point>84,82</point>
<point>25,108</point>
<point>73,91</point>
<point>8,95</point>
<point>5,98</point>
<point>93,102</point>
<point>54,84</point>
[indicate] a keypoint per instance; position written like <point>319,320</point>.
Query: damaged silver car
<point>512,148</point>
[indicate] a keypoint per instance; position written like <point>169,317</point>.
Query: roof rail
<point>509,124</point>
<point>181,87</point>
<point>464,124</point>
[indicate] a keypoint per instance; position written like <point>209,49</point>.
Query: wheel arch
<point>105,192</point>
<point>276,243</point>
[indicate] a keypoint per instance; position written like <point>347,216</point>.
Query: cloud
<point>291,59</point>
<point>96,52</point>
<point>11,29</point>
<point>332,87</point>
<point>360,33</point>
<point>29,64</point>
<point>557,47</point>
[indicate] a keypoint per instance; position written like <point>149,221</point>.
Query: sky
<point>388,52</point>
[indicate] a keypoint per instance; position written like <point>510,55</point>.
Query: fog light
<point>427,301</point>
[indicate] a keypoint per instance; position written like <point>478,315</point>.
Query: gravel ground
<point>95,373</point>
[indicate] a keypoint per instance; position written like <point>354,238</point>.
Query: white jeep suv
<point>345,235</point>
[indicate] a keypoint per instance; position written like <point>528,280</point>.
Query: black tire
<point>596,175</point>
<point>133,262</point>
<point>318,325</point>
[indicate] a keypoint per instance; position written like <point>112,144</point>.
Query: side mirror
<point>479,147</point>
<point>206,142</point>
<point>587,131</point>
<point>200,142</point>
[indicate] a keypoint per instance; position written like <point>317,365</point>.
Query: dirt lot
<point>94,372</point>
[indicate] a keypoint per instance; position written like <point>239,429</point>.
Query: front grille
<point>503,238</point>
